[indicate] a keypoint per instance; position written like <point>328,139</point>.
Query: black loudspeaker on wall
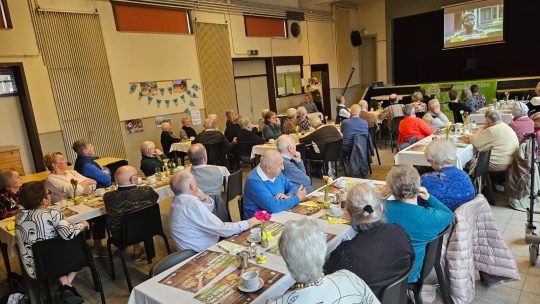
<point>356,38</point>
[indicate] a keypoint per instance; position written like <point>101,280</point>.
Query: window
<point>138,18</point>
<point>289,80</point>
<point>4,15</point>
<point>265,27</point>
<point>7,82</point>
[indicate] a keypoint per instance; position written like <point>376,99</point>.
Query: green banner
<point>487,87</point>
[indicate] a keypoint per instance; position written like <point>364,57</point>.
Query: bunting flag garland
<point>175,101</point>
<point>162,91</point>
<point>187,110</point>
<point>170,90</point>
<point>167,103</point>
<point>195,87</point>
<point>158,102</point>
<point>183,98</point>
<point>140,95</point>
<point>150,99</point>
<point>132,88</point>
<point>191,103</point>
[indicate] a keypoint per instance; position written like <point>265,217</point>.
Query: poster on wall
<point>488,87</point>
<point>161,119</point>
<point>179,86</point>
<point>165,91</point>
<point>196,117</point>
<point>134,126</point>
<point>149,88</point>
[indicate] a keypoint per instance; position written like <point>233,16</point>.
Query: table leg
<point>5,256</point>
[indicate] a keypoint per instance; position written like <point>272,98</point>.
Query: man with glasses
<point>126,198</point>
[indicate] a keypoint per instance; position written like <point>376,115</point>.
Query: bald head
<point>393,98</point>
<point>210,123</point>
<point>197,155</point>
<point>355,110</point>
<point>126,175</point>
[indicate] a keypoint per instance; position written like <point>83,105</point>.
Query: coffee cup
<point>340,183</point>
<point>192,138</point>
<point>335,209</point>
<point>255,235</point>
<point>151,180</point>
<point>271,140</point>
<point>250,279</point>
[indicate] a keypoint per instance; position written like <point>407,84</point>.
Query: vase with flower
<point>266,236</point>
<point>74,183</point>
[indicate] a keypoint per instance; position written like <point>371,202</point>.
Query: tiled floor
<point>510,223</point>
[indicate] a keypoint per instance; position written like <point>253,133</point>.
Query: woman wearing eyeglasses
<point>39,221</point>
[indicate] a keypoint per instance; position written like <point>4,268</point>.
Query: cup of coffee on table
<point>255,235</point>
<point>250,279</point>
<point>335,209</point>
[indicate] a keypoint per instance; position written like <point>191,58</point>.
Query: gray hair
<point>315,121</point>
<point>165,125</point>
<point>269,157</point>
<point>408,110</point>
<point>301,112</point>
<point>302,245</point>
<point>244,121</point>
<point>433,104</point>
<point>147,146</point>
<point>212,116</point>
<point>7,178</point>
<point>404,181</point>
<point>283,142</point>
<point>196,154</point>
<point>180,182</point>
<point>355,110</point>
<point>519,109</point>
<point>210,123</point>
<point>466,94</point>
<point>291,113</point>
<point>417,96</point>
<point>493,116</point>
<point>441,152</point>
<point>79,146</point>
<point>363,104</point>
<point>358,198</point>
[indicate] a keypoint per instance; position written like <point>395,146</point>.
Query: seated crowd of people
<point>417,208</point>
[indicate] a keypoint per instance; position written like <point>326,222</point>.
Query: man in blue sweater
<point>86,166</point>
<point>266,188</point>
<point>351,127</point>
<point>293,165</point>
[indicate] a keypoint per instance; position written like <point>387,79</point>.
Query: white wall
<point>370,18</point>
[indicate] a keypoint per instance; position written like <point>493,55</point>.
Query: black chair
<point>234,190</point>
<point>420,114</point>
<point>170,261</point>
<point>394,132</point>
<point>57,257</point>
<point>481,173</point>
<point>372,134</point>
<point>432,259</point>
<point>137,226</point>
<point>217,155</point>
<point>456,107</point>
<point>396,293</point>
<point>115,165</point>
<point>333,152</point>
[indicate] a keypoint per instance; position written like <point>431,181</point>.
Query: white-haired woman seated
<point>422,224</point>
<point>498,135</point>
<point>302,119</point>
<point>521,123</point>
<point>289,125</point>
<point>362,254</point>
<point>450,185</point>
<point>303,247</point>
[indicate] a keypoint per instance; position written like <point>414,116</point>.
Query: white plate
<point>340,214</point>
<point>244,289</point>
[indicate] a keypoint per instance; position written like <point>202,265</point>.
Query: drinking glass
<point>91,193</point>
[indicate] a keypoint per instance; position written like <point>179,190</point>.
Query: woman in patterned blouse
<point>302,119</point>
<point>10,183</point>
<point>289,125</point>
<point>38,221</point>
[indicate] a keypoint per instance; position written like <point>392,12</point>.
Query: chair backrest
<point>215,153</point>
<point>140,224</point>
<point>433,254</point>
<point>333,151</point>
<point>420,114</point>
<point>170,261</point>
<point>395,123</point>
<point>396,292</point>
<point>114,166</point>
<point>234,185</point>
<point>56,257</point>
<point>482,163</point>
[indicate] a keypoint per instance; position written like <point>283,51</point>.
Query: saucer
<point>244,289</point>
<point>340,214</point>
<point>252,241</point>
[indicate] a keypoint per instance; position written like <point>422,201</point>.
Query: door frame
<point>27,112</point>
<point>327,104</point>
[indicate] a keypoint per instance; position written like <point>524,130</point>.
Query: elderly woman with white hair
<point>302,119</point>
<point>317,140</point>
<point>450,185</point>
<point>362,254</point>
<point>434,117</point>
<point>498,135</point>
<point>302,245</point>
<point>422,224</point>
<point>467,99</point>
<point>418,102</point>
<point>521,123</point>
<point>289,125</point>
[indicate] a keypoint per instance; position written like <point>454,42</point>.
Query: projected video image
<point>473,25</point>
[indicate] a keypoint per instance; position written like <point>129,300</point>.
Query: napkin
<point>335,220</point>
<point>230,247</point>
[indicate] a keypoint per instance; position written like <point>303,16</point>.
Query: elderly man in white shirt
<point>193,225</point>
<point>434,117</point>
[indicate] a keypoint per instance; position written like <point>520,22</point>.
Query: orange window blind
<point>265,27</point>
<point>137,18</point>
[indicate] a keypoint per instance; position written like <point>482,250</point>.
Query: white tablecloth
<point>182,146</point>
<point>415,158</point>
<point>480,118</point>
<point>151,291</point>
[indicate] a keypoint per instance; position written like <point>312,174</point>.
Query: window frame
<point>4,14</point>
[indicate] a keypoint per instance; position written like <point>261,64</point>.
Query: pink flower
<point>263,216</point>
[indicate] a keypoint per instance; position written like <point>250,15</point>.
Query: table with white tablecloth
<point>414,154</point>
<point>182,146</point>
<point>479,117</point>
<point>152,291</point>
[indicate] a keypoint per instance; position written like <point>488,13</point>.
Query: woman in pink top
<point>521,123</point>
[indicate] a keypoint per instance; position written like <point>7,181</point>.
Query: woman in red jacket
<point>412,127</point>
